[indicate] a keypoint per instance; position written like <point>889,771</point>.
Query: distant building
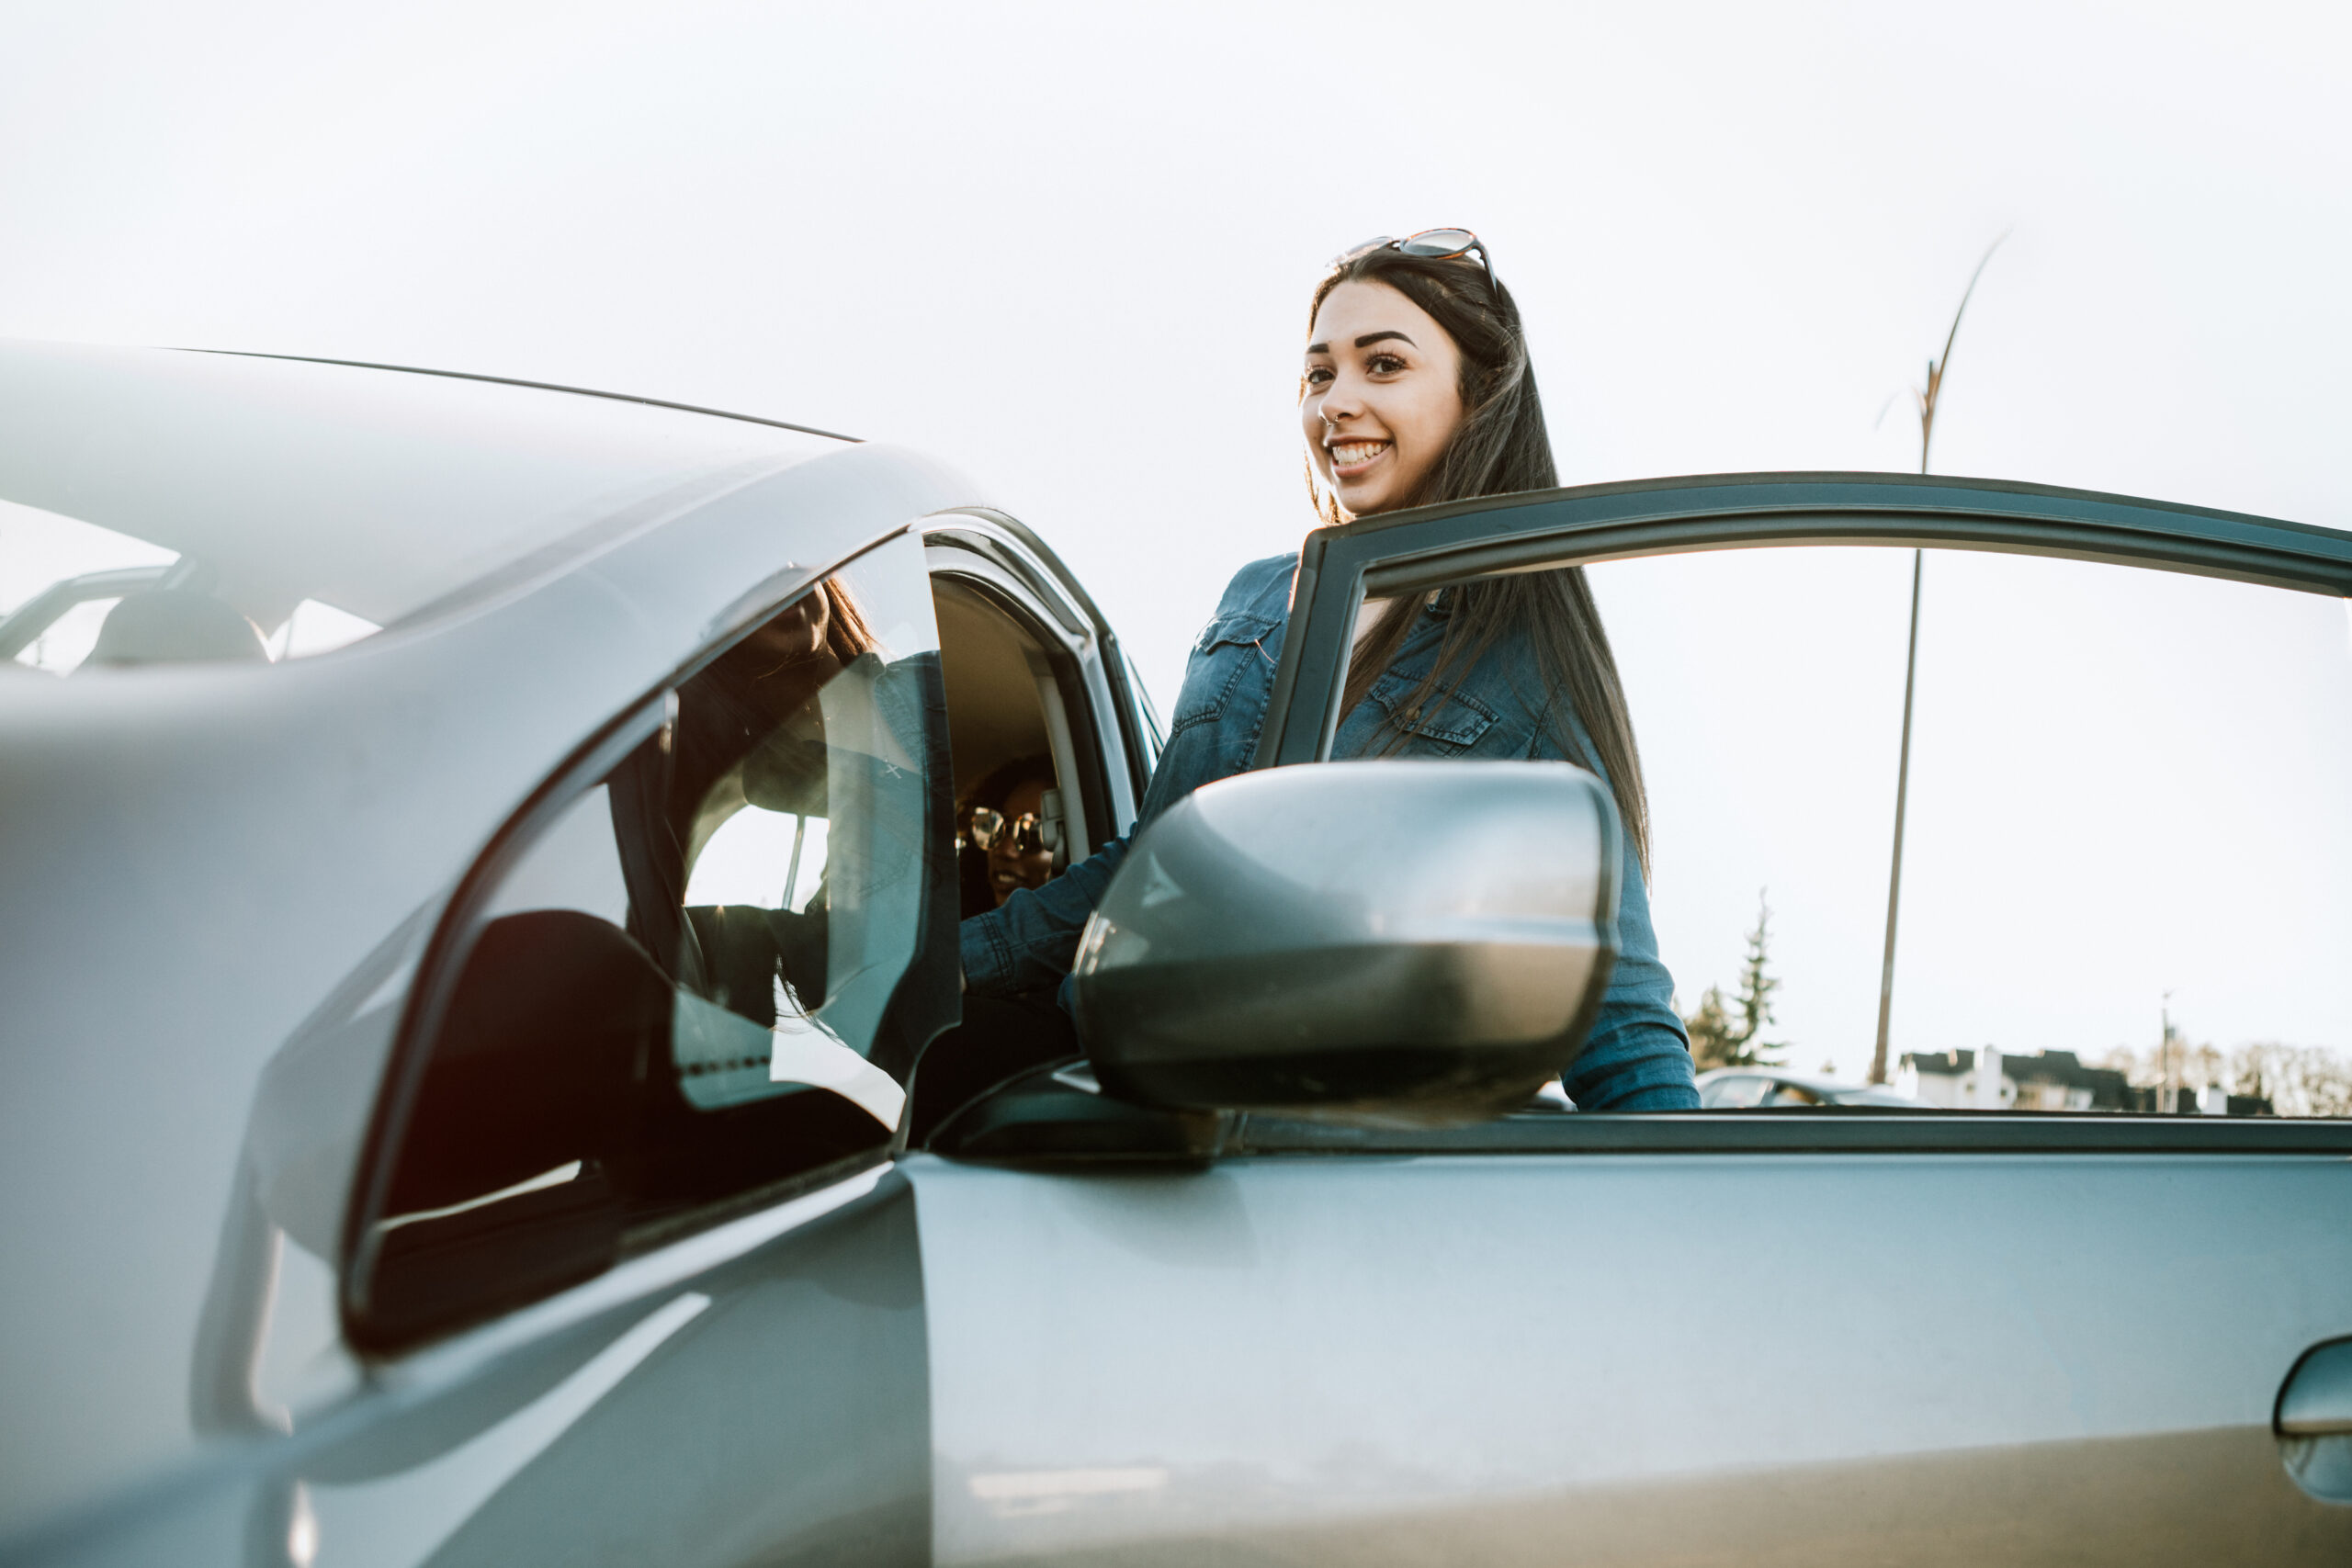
<point>2049,1080</point>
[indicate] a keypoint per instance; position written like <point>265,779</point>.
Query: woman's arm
<point>1637,1058</point>
<point>1031,939</point>
<point>1638,1054</point>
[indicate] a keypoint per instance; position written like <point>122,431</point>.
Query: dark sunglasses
<point>1437,244</point>
<point>1023,834</point>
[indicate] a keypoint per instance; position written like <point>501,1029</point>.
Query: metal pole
<point>2166,1101</point>
<point>1936,368</point>
<point>1901,799</point>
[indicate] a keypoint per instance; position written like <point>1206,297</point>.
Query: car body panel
<point>217,805</point>
<point>1625,1359</point>
<point>757,1396</point>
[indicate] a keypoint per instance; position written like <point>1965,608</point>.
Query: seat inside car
<point>175,625</point>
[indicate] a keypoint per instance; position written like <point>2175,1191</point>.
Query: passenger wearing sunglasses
<point>1415,388</point>
<point>1003,834</point>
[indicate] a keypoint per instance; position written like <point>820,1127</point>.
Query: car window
<point>1734,1092</point>
<point>2126,867</point>
<point>2126,872</point>
<point>688,984</point>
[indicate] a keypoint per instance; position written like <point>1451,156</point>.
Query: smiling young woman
<point>1382,396</point>
<point>1454,422</point>
<point>1415,389</point>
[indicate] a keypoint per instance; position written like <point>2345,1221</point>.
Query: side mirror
<point>1398,942</point>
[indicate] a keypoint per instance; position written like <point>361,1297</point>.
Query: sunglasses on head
<point>1023,835</point>
<point>1437,244</point>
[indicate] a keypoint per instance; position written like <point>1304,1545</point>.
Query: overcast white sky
<point>1068,248</point>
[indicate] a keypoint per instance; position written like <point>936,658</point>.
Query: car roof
<point>376,490</point>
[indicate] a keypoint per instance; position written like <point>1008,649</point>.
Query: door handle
<point>2317,1400</point>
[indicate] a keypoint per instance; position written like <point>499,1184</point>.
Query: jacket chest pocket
<point>1226,657</point>
<point>1440,724</point>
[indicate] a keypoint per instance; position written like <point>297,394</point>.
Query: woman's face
<point>1384,395</point>
<point>1009,869</point>
<point>796,633</point>
<point>781,663</point>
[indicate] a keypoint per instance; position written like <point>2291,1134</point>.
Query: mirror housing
<point>1398,942</point>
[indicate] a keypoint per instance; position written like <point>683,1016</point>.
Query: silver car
<point>1767,1088</point>
<point>480,879</point>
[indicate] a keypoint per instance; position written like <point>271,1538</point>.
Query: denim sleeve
<point>1637,1058</point>
<point>1032,940</point>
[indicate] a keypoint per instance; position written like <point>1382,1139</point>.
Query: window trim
<point>1815,1130</point>
<point>1093,757</point>
<point>1431,545</point>
<point>1045,1121</point>
<point>1031,560</point>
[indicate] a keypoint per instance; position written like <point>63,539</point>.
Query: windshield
<point>160,507</point>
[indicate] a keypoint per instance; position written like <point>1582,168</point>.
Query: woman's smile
<point>1380,397</point>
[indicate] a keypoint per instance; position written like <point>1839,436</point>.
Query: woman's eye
<point>1317,376</point>
<point>1386,364</point>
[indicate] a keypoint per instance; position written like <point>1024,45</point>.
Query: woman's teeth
<point>1349,454</point>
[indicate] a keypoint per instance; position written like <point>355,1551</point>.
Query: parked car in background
<point>1747,1088</point>
<point>478,884</point>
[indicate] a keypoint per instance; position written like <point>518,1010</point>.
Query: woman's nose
<point>1338,404</point>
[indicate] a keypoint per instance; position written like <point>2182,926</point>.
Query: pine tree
<point>1709,1028</point>
<point>1757,983</point>
<point>1729,1035</point>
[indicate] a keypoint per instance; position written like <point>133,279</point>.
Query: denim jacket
<point>1638,1057</point>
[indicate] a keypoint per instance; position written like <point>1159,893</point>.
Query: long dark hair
<point>1499,448</point>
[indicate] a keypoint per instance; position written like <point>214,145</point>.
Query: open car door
<point>2101,1319</point>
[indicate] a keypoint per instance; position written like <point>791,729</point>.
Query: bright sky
<point>1068,248</point>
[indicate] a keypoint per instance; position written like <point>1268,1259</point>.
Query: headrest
<point>174,626</point>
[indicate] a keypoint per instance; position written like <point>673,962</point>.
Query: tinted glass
<point>679,994</point>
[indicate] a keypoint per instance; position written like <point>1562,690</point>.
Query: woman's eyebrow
<point>1364,342</point>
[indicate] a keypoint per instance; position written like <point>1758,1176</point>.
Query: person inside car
<point>1415,388</point>
<point>1002,829</point>
<point>750,732</point>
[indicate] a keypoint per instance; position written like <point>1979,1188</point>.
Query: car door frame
<point>990,548</point>
<point>1429,547</point>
